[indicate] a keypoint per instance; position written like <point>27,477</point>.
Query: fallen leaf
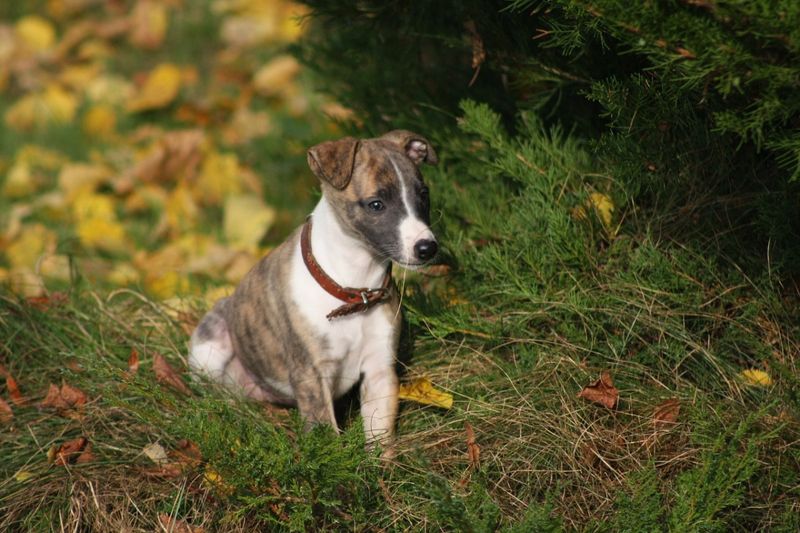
<point>64,400</point>
<point>214,480</point>
<point>246,220</point>
<point>666,414</point>
<point>176,525</point>
<point>43,303</point>
<point>187,453</point>
<point>133,361</point>
<point>33,241</point>
<point>22,476</point>
<point>13,391</point>
<point>96,222</point>
<point>604,207</point>
<point>20,181</point>
<point>473,450</point>
<point>273,78</point>
<point>86,456</point>
<point>755,377</point>
<point>601,391</point>
<point>35,32</point>
<point>148,24</point>
<point>422,391</point>
<point>100,121</point>
<point>220,177</point>
<point>6,414</point>
<point>167,375</point>
<point>159,90</point>
<point>71,452</point>
<point>156,453</point>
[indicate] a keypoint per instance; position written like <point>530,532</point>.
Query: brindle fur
<point>269,336</point>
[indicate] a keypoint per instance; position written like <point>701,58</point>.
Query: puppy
<point>320,312</point>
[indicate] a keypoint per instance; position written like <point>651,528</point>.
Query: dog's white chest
<point>352,343</point>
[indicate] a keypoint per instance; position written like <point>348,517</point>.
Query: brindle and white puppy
<point>271,339</point>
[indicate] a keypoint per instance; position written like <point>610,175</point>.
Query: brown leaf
<point>73,396</point>
<point>666,414</point>
<point>43,303</point>
<point>133,362</point>
<point>13,391</point>
<point>601,391</point>
<point>187,453</point>
<point>175,525</point>
<point>54,399</point>
<point>6,414</point>
<point>167,375</point>
<point>64,400</point>
<point>473,450</point>
<point>185,457</point>
<point>478,50</point>
<point>86,456</point>
<point>70,451</point>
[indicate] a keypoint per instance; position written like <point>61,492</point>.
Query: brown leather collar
<point>355,299</point>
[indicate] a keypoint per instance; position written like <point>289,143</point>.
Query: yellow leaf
<point>19,181</point>
<point>25,282</point>
<point>81,179</point>
<point>22,476</point>
<point>167,284</point>
<point>148,24</point>
<point>102,234</point>
<point>422,391</point>
<point>160,89</point>
<point>246,219</point>
<point>273,78</point>
<point>33,241</point>
<point>36,32</point>
<point>60,104</point>
<point>123,274</point>
<point>92,49</point>
<point>53,105</point>
<point>180,212</point>
<point>100,121</point>
<point>214,294</point>
<point>96,222</point>
<point>78,77</point>
<point>604,207</point>
<point>212,479</point>
<point>41,157</point>
<point>755,377</point>
<point>55,267</point>
<point>220,176</point>
<point>91,206</point>
<point>110,89</point>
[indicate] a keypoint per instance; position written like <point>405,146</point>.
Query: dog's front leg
<point>379,403</point>
<point>314,398</point>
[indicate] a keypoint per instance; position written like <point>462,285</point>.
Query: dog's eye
<point>375,205</point>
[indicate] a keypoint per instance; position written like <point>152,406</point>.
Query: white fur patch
<point>412,229</point>
<point>210,357</point>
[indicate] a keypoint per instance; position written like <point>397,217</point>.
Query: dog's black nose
<point>425,249</point>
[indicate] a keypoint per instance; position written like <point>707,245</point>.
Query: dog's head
<point>376,190</point>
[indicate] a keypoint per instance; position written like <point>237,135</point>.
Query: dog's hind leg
<point>211,348</point>
<point>212,354</point>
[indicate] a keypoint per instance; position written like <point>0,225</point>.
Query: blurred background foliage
<point>152,144</point>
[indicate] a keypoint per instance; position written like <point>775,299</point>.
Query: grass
<point>539,301</point>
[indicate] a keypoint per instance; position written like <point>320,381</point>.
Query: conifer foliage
<point>683,101</point>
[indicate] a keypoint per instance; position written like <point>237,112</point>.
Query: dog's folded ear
<point>333,161</point>
<point>416,147</point>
